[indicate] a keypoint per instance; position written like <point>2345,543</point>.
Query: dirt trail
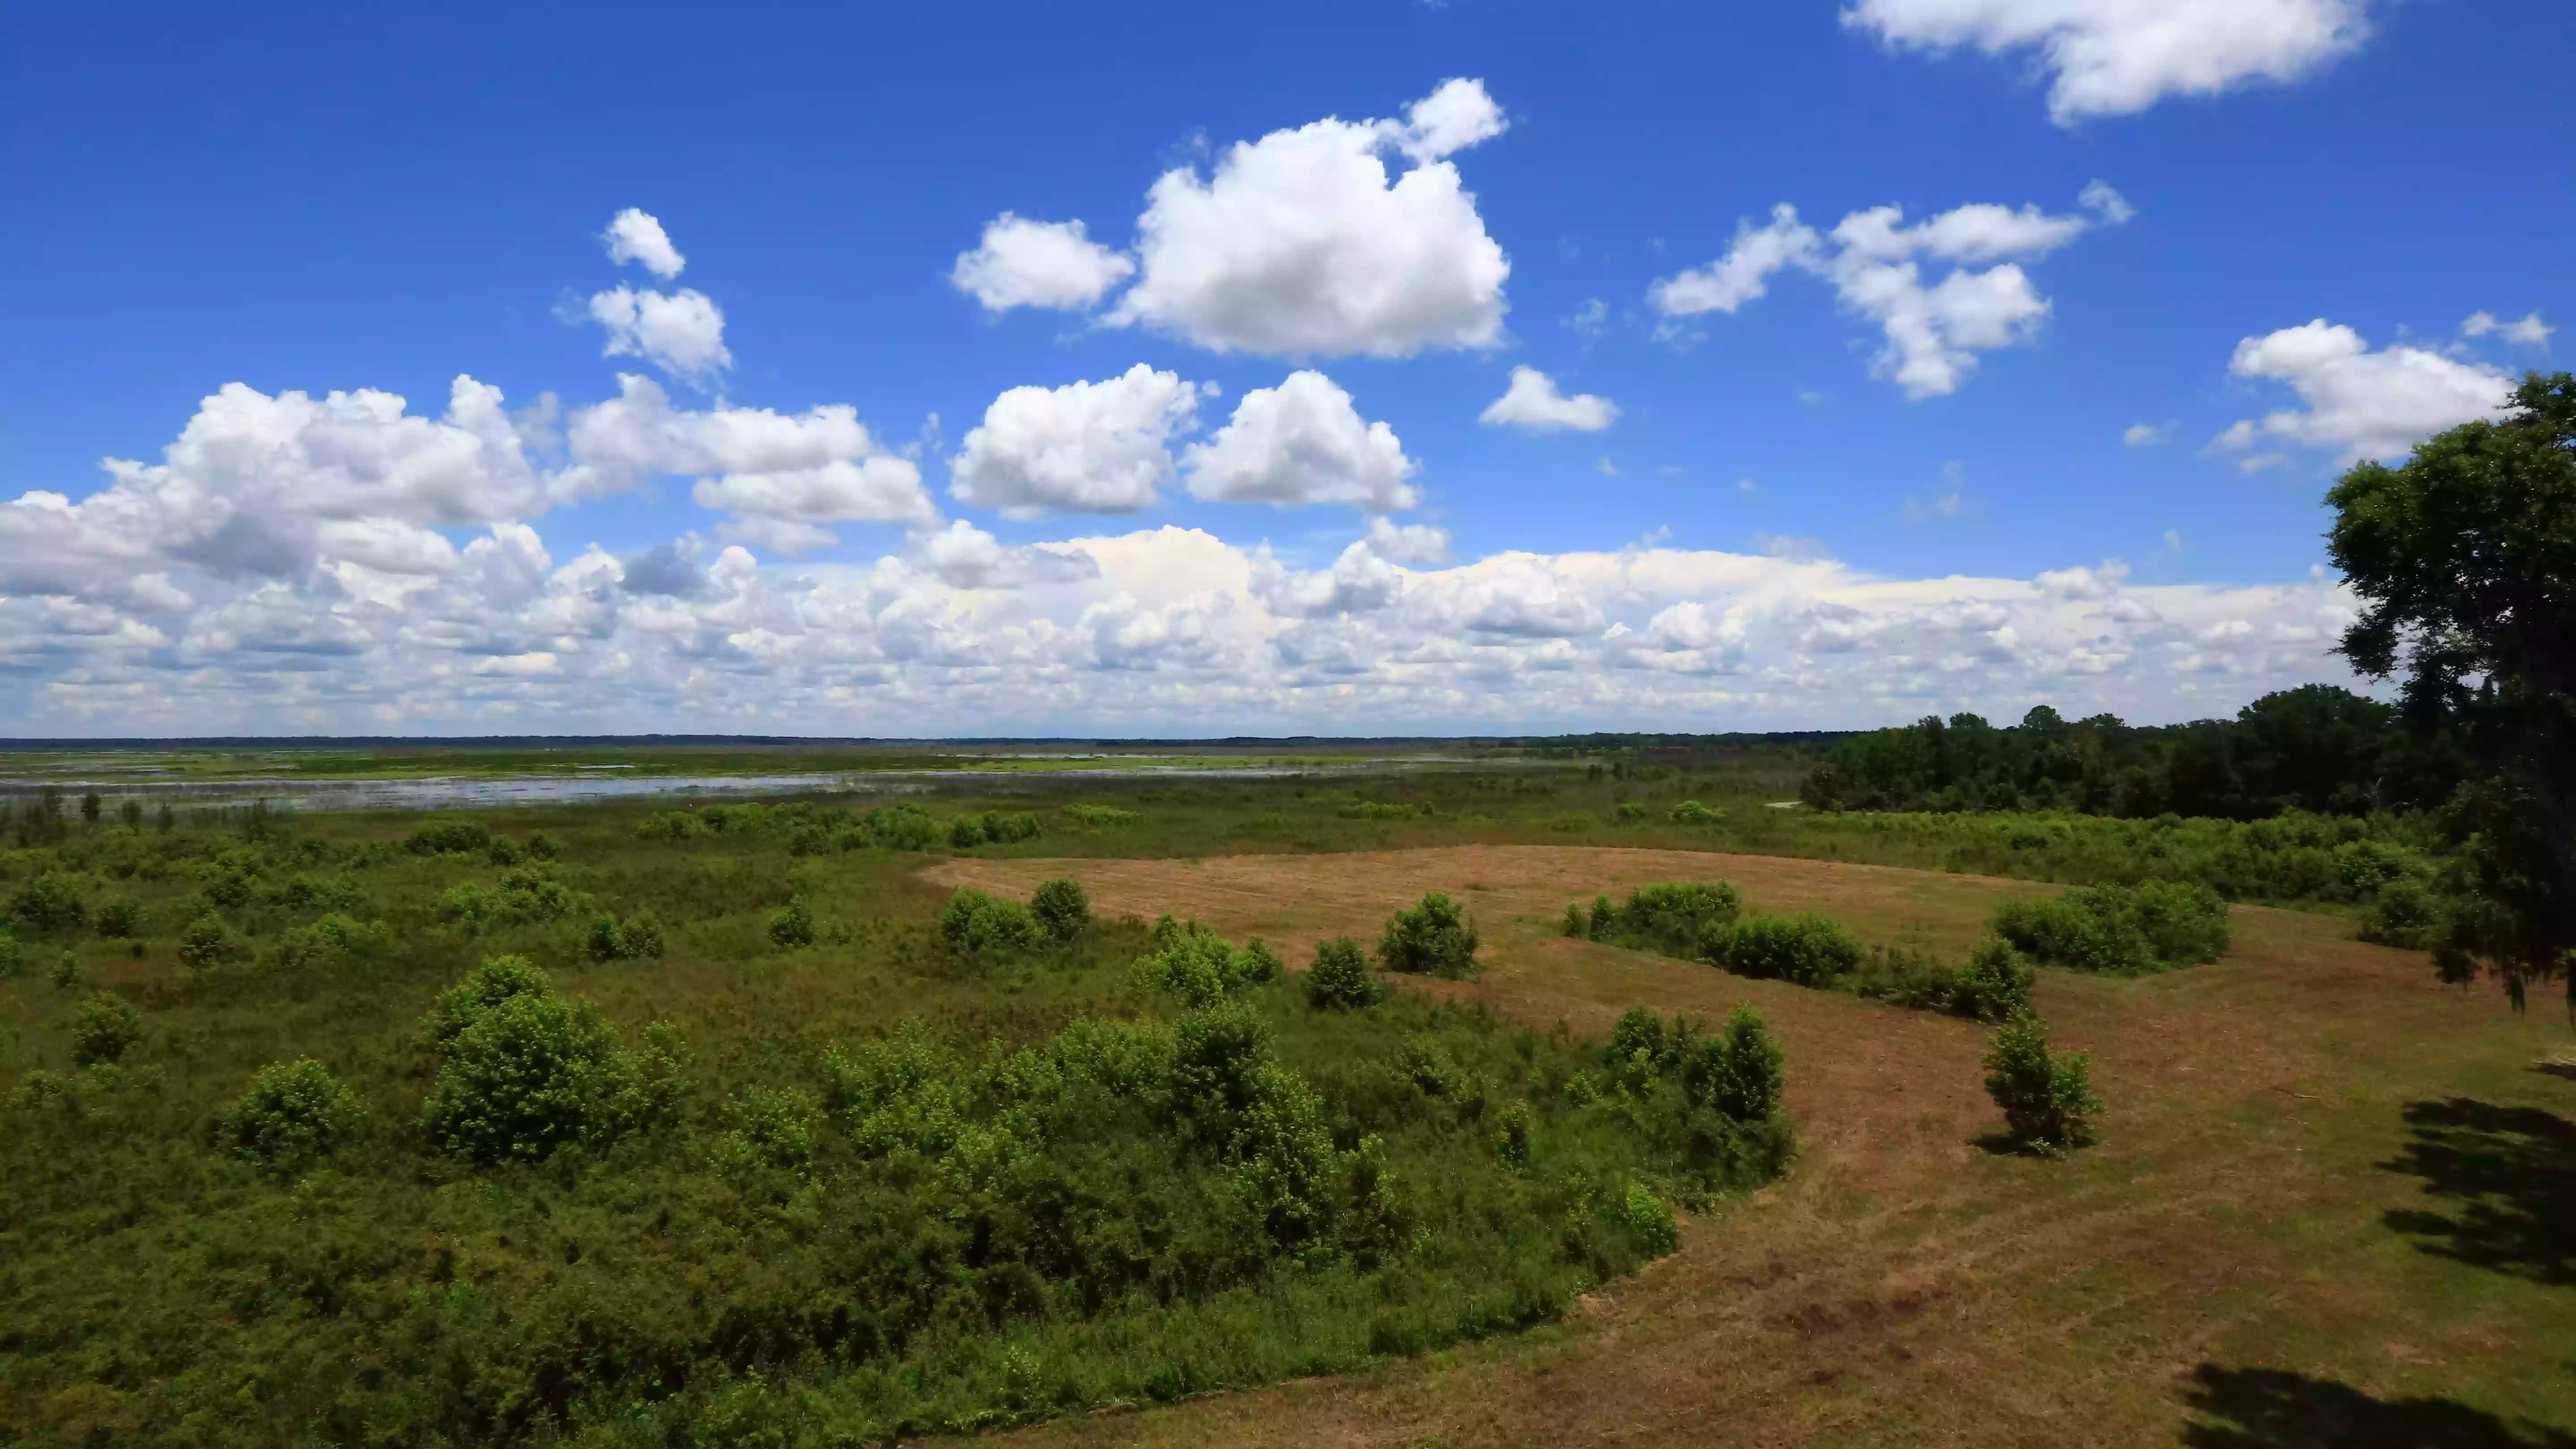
<point>1905,1285</point>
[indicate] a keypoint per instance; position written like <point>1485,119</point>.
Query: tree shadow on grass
<point>2512,1170</point>
<point>2274,1409</point>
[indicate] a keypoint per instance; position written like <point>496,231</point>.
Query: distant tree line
<point>2316,748</point>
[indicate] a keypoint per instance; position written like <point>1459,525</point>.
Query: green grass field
<point>2330,1203</point>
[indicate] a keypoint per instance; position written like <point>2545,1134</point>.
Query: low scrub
<point>1432,938</point>
<point>2047,1100</point>
<point>985,926</point>
<point>525,1073</point>
<point>1063,911</point>
<point>1340,979</point>
<point>104,1029</point>
<point>1677,920</point>
<point>2119,930</point>
<point>294,1113</point>
<point>1994,985</point>
<point>1802,950</point>
<point>1199,967</point>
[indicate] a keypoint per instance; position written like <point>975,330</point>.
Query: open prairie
<point>2330,1203</point>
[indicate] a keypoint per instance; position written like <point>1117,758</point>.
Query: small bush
<point>769,1130</point>
<point>205,945</point>
<point>13,956</point>
<point>1102,817</point>
<point>2404,912</point>
<point>49,904</point>
<point>67,971</point>
<point>333,941</point>
<point>1341,979</point>
<point>979,925</point>
<point>631,939</point>
<point>2047,1101</point>
<point>1648,1221</point>
<point>1201,968</point>
<point>1061,908</point>
<point>1692,812</point>
<point>792,925</point>
<point>1678,920</point>
<point>497,980</point>
<point>120,918</point>
<point>1432,939</point>
<point>1996,985</point>
<point>528,1074</point>
<point>293,1113</point>
<point>901,826</point>
<point>542,847</point>
<point>104,1029</point>
<point>2119,930</point>
<point>1803,950</point>
<point>449,837</point>
<point>1512,1137</point>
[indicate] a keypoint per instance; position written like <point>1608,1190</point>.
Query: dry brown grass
<point>1906,1285</point>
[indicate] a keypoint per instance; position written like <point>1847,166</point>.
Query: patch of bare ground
<point>1907,1284</point>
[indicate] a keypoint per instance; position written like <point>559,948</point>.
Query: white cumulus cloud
<point>1532,403</point>
<point>1088,447</point>
<point>2360,403</point>
<point>2146,435</point>
<point>2118,57</point>
<point>1302,442</point>
<point>635,235</point>
<point>1301,243</point>
<point>1875,262</point>
<point>2530,331</point>
<point>680,332</point>
<point>1024,263</point>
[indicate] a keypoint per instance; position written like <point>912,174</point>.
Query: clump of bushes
<point>2119,930</point>
<point>792,926</point>
<point>629,938</point>
<point>104,1029</point>
<point>1675,919</point>
<point>120,919</point>
<point>980,925</point>
<point>1711,1102</point>
<point>1201,967</point>
<point>333,941</point>
<point>49,904</point>
<point>1801,950</point>
<point>1432,938</point>
<point>1384,810</point>
<point>1102,817</point>
<point>525,1073</point>
<point>1341,979</point>
<point>993,827</point>
<point>449,837</point>
<point>2406,912</point>
<point>522,896</point>
<point>1692,812</point>
<point>2047,1100</point>
<point>1994,985</point>
<point>204,945</point>
<point>1063,911</point>
<point>293,1113</point>
<point>900,826</point>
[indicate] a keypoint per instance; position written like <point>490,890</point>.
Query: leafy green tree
<point>103,1029</point>
<point>2465,560</point>
<point>2047,1100</point>
<point>1432,938</point>
<point>293,1113</point>
<point>1061,908</point>
<point>1341,978</point>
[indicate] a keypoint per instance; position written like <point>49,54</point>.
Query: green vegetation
<point>1431,938</point>
<point>2119,930</point>
<point>686,1135</point>
<point>2047,1100</point>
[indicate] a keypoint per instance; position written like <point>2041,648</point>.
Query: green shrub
<point>769,1130</point>
<point>1512,1137</point>
<point>1677,920</point>
<point>2119,930</point>
<point>1993,986</point>
<point>1648,1221</point>
<point>1061,908</point>
<point>1341,978</point>
<point>1751,1070</point>
<point>792,925</point>
<point>1996,985</point>
<point>49,904</point>
<point>1576,926</point>
<point>104,1029</point>
<point>900,826</point>
<point>13,956</point>
<point>120,918</point>
<point>1433,938</point>
<point>503,851</point>
<point>2048,1102</point>
<point>542,847</point>
<point>1201,968</point>
<point>67,970</point>
<point>1803,950</point>
<point>1102,817</point>
<point>529,1074</point>
<point>1692,812</point>
<point>669,825</point>
<point>293,1113</point>
<point>205,945</point>
<point>449,837</point>
<point>2404,912</point>
<point>979,925</point>
<point>631,939</point>
<point>498,979</point>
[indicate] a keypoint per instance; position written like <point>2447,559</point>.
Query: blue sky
<point>303,201</point>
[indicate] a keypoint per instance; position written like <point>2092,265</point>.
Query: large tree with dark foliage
<point>2465,558</point>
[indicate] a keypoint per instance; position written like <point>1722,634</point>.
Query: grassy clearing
<point>2328,1205</point>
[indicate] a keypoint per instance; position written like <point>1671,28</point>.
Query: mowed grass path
<point>2333,1203</point>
